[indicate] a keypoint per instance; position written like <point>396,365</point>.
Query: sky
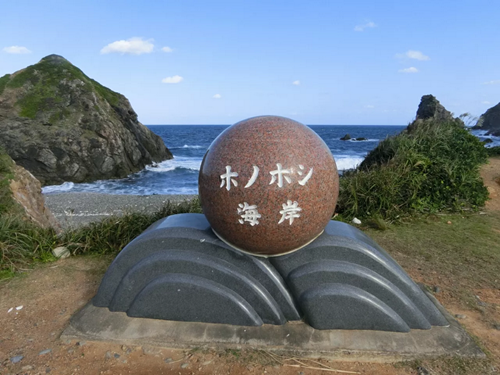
<point>317,62</point>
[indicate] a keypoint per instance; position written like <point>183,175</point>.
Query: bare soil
<point>51,293</point>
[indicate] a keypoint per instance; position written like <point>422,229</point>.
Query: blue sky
<point>318,62</point>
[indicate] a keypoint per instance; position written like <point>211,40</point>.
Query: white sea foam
<point>482,135</point>
<point>177,162</point>
<point>189,146</point>
<point>345,162</point>
<point>66,186</point>
<point>365,140</point>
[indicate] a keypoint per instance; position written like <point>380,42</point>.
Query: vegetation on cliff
<point>431,167</point>
<point>6,174</point>
<point>47,85</point>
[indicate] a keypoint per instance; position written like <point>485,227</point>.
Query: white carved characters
<point>249,213</point>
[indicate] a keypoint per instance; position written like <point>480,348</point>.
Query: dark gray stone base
<point>179,270</point>
<point>293,338</point>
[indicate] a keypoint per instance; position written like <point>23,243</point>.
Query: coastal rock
<point>345,137</point>
<point>63,126</point>
<point>431,109</point>
<point>27,191</point>
<point>490,120</point>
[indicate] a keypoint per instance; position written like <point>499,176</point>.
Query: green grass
<point>22,243</point>
<point>463,249</point>
<point>434,167</point>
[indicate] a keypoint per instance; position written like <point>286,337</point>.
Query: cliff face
<point>490,120</point>
<point>63,126</point>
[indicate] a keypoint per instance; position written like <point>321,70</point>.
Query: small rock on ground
<point>184,365</point>
<point>17,358</point>
<point>46,351</point>
<point>460,316</point>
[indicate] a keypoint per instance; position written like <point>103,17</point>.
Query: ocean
<point>188,144</point>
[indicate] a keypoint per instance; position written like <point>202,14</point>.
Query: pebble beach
<point>73,210</point>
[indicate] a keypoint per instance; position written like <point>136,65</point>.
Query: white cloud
<point>132,46</point>
<point>167,49</point>
<point>411,54</point>
<point>369,106</point>
<point>367,25</point>
<point>411,69</point>
<point>173,79</point>
<point>486,102</point>
<point>296,83</point>
<point>495,82</point>
<point>16,50</point>
<point>217,96</point>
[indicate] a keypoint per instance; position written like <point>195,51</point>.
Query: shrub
<point>433,167</point>
<point>22,243</point>
<point>493,151</point>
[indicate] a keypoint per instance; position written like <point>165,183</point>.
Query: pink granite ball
<point>268,185</point>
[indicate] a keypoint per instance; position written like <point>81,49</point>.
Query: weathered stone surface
<point>27,191</point>
<point>63,126</point>
<point>490,120</point>
<point>268,185</point>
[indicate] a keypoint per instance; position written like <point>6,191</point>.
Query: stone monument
<point>265,251</point>
<point>265,266</point>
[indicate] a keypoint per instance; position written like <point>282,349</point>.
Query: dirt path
<point>491,177</point>
<point>51,293</point>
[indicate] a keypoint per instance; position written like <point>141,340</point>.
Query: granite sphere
<point>268,185</point>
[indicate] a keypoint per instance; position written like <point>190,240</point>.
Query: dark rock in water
<point>345,137</point>
<point>430,109</point>
<point>488,140</point>
<point>61,126</point>
<point>490,120</point>
<point>360,139</point>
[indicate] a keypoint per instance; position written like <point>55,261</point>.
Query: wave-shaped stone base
<point>179,270</point>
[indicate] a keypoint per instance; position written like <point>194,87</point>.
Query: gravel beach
<point>73,210</point>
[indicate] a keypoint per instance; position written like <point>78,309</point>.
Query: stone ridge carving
<point>179,270</point>
<point>63,126</point>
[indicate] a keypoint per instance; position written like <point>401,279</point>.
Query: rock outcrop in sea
<point>62,126</point>
<point>490,120</point>
<point>431,109</point>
